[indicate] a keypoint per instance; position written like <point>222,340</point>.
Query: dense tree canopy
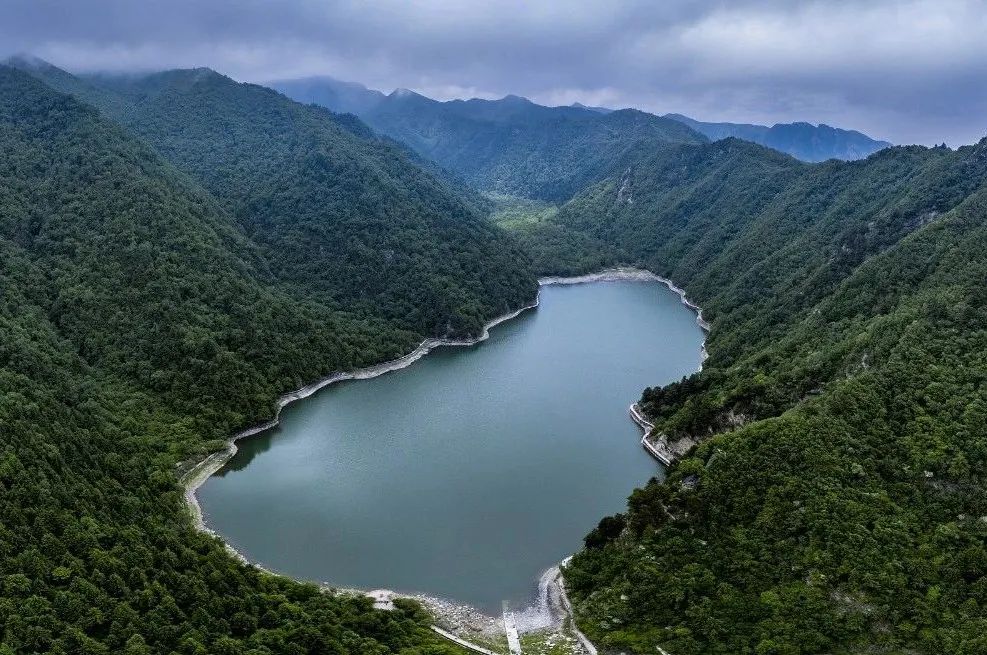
<point>140,327</point>
<point>337,213</point>
<point>177,249</point>
<point>836,502</point>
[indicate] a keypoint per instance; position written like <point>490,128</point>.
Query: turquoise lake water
<point>471,471</point>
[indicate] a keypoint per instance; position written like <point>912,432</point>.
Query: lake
<point>468,473</point>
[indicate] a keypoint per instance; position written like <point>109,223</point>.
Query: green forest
<point>836,502</point>
<point>178,249</point>
<point>141,326</point>
<point>339,215</point>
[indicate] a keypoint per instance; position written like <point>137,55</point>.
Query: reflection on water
<point>247,450</point>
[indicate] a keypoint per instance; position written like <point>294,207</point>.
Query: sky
<point>904,71</point>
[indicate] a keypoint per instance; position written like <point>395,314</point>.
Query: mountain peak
<point>28,62</point>
<point>403,93</point>
<point>599,110</point>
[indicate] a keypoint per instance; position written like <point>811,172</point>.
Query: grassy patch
<point>512,213</point>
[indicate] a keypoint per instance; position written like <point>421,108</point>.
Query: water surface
<point>468,473</point>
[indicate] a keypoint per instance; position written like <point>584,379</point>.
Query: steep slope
<point>511,146</point>
<point>812,143</point>
<point>339,214</point>
<point>835,502</point>
<point>137,325</point>
<point>759,235</point>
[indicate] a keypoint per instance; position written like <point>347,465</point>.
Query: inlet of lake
<point>468,473</point>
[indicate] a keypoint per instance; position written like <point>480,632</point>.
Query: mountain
<point>140,328</point>
<point>835,499</point>
<point>510,146</point>
<point>602,110</point>
<point>178,249</point>
<point>339,214</point>
<point>515,147</point>
<point>812,143</point>
<point>339,96</point>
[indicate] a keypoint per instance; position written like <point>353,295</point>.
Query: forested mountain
<point>339,214</point>
<point>178,248</point>
<point>510,146</point>
<point>812,143</point>
<point>836,502</point>
<point>138,323</point>
<point>515,147</point>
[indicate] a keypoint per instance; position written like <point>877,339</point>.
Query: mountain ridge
<point>336,209</point>
<point>802,140</point>
<point>812,143</point>
<point>816,457</point>
<point>510,146</point>
<point>176,251</point>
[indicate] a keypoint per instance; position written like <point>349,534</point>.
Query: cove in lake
<point>470,472</point>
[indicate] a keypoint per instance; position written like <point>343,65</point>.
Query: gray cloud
<point>910,72</point>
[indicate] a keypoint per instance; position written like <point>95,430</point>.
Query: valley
<point>180,250</point>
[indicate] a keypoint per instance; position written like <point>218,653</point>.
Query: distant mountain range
<point>801,140</point>
<point>509,146</point>
<point>431,127</point>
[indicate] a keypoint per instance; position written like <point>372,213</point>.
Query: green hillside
<point>836,502</point>
<point>177,249</point>
<point>339,214</point>
<point>137,326</point>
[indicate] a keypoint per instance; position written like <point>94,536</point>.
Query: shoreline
<point>659,446</point>
<point>199,473</point>
<point>662,454</point>
<point>632,274</point>
<point>559,582</point>
<point>558,605</point>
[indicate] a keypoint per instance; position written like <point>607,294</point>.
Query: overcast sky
<point>908,72</point>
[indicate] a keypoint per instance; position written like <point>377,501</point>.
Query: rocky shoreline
<point>658,445</point>
<point>630,273</point>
